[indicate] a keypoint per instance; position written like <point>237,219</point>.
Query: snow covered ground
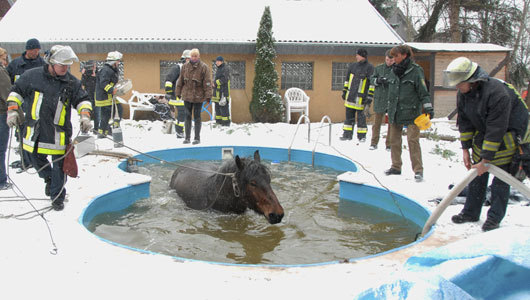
<point>65,261</point>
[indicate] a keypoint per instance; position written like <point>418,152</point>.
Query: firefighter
<point>171,80</point>
<point>492,120</point>
<point>46,96</point>
<point>357,95</point>
<point>106,80</point>
<point>221,92</point>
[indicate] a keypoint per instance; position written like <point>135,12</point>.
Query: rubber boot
<point>48,181</point>
<point>187,130</point>
<point>197,132</point>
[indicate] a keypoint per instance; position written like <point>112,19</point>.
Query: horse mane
<point>250,167</point>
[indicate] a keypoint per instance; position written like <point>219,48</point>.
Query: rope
<point>37,212</point>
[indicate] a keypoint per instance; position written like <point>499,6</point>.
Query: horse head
<point>255,187</point>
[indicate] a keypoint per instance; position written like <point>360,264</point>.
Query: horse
<point>236,185</point>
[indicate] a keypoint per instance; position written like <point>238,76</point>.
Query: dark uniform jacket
<point>5,88</point>
<point>21,64</point>
<point>48,103</point>
<point>381,90</point>
<point>491,119</point>
<point>407,95</point>
<point>89,84</point>
<point>195,83</point>
<point>221,84</point>
<point>106,80</point>
<point>357,85</point>
<point>171,84</point>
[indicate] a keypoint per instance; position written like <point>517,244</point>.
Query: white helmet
<point>459,70</point>
<point>61,55</point>
<point>114,55</point>
<point>186,54</point>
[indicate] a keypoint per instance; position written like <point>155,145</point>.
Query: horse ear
<point>239,164</point>
<point>256,156</point>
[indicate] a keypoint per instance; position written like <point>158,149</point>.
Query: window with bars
<point>165,66</point>
<point>237,74</point>
<point>338,75</point>
<point>297,74</point>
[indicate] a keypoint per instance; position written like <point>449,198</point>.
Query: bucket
<point>84,144</point>
<point>423,122</point>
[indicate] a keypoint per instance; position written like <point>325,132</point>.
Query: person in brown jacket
<point>5,88</point>
<point>194,86</point>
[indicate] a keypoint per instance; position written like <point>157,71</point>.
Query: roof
<point>458,47</point>
<point>161,21</point>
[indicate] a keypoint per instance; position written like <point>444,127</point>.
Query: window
<point>338,75</point>
<point>297,74</point>
<point>165,66</point>
<point>237,74</point>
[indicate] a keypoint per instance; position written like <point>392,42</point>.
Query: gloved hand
<point>222,102</point>
<point>343,95</point>
<point>381,80</point>
<point>429,111</point>
<point>367,111</point>
<point>168,97</point>
<point>84,122</point>
<point>13,118</point>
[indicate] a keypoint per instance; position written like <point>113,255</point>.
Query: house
<point>315,40</point>
<point>435,57</point>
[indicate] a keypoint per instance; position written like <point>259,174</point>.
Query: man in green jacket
<point>408,95</point>
<point>380,79</point>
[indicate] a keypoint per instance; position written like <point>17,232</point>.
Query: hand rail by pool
<point>318,136</point>
<point>306,121</point>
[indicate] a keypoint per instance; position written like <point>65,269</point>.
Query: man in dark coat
<point>46,95</point>
<point>221,92</point>
<point>28,60</point>
<point>382,76</point>
<point>492,120</point>
<point>106,81</point>
<point>357,95</point>
<point>88,81</point>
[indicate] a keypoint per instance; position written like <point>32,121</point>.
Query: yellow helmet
<point>459,70</point>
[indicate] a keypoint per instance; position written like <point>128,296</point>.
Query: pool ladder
<point>306,121</point>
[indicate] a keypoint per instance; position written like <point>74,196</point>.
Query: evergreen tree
<point>266,105</point>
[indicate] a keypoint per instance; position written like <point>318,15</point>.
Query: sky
<point>84,266</point>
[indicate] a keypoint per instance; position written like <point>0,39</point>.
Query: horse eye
<point>253,183</point>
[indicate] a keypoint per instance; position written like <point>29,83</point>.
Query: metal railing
<point>306,121</point>
<point>318,136</point>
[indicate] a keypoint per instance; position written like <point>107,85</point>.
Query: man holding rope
<point>48,94</point>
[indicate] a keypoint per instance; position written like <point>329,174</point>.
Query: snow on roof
<point>309,21</point>
<point>458,47</point>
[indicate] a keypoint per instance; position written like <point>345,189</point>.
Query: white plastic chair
<point>295,100</point>
<point>140,101</point>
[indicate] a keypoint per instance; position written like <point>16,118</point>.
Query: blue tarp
<point>492,265</point>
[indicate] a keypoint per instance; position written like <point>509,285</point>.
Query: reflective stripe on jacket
<point>221,84</point>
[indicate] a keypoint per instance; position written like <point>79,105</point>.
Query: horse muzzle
<point>274,218</point>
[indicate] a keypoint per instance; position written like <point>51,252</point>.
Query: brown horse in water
<point>203,185</point>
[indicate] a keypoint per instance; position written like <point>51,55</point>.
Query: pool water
<point>317,227</point>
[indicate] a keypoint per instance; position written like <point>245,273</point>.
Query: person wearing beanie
<point>177,103</point>
<point>357,95</point>
<point>221,92</point>
<point>28,60</point>
<point>194,86</point>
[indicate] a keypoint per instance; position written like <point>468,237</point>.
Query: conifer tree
<point>266,105</point>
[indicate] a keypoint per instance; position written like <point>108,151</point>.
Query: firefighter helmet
<point>459,70</point>
<point>114,56</point>
<point>61,55</point>
<point>186,54</point>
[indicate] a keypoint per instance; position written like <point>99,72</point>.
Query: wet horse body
<point>204,185</point>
